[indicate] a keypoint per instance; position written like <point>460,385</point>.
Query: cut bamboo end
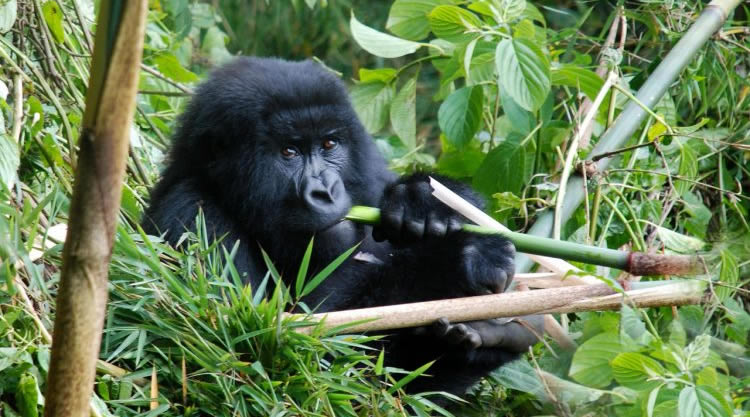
<point>514,304</point>
<point>651,264</point>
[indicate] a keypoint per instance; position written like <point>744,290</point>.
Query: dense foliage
<point>486,91</point>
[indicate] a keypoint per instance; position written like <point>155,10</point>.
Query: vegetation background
<point>440,98</point>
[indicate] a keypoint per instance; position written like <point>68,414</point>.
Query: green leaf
<point>696,353</point>
<point>171,67</point>
<point>214,46</point>
<point>54,18</point>
<point>504,169</point>
<point>728,274</point>
<point>633,370</point>
<point>632,325</point>
<point>408,18</point>
<point>523,71</point>
<point>404,113</point>
<point>8,10</point>
<point>702,401</point>
<point>460,115</point>
<point>328,270</point>
<point>379,43</point>
<point>451,23</point>
<point>590,365</point>
<point>688,169</point>
<point>9,161</point>
<point>372,102</point>
<point>576,77</point>
<point>408,378</point>
<point>27,396</point>
<point>679,242</point>
<point>303,267</point>
<point>383,75</point>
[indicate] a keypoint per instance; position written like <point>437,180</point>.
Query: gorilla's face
<point>309,150</point>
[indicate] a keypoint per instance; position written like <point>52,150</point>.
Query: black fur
<point>229,157</point>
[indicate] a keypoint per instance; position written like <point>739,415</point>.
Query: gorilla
<point>273,154</point>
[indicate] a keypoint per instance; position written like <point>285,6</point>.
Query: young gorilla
<point>273,153</point>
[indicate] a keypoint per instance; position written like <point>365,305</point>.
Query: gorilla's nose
<point>323,193</point>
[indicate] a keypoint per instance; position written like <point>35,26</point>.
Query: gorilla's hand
<point>409,213</point>
<point>485,263</point>
<point>510,335</point>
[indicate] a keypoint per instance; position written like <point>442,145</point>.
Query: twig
<point>17,108</point>
<point>161,76</point>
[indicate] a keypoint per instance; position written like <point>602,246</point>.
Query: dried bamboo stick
<point>546,301</point>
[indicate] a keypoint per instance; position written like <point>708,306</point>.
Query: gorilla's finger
<point>392,221</point>
<point>440,327</point>
<point>414,229</point>
<point>515,335</point>
<point>435,227</point>
<point>454,225</point>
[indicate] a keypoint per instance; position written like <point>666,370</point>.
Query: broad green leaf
<point>702,401</point>
<point>521,120</point>
<point>460,115</point>
<point>576,77</point>
<point>383,75</point>
<point>631,324</point>
<point>507,201</point>
<point>504,169</point>
<point>679,242</point>
<point>214,46</point>
<point>171,67</point>
<point>379,43</point>
<point>509,10</point>
<point>697,351</point>
<point>523,72</point>
<point>482,69</point>
<point>525,29</point>
<point>677,334</point>
<point>452,22</point>
<point>459,162</point>
<point>27,396</point>
<point>404,113</point>
<point>408,18</point>
<point>54,18</point>
<point>9,161</point>
<point>633,370</point>
<point>688,169</point>
<point>728,274</point>
<point>590,364</point>
<point>8,10</point>
<point>372,102</point>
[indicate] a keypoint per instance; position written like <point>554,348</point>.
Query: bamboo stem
<point>82,296</point>
<point>635,263</point>
<point>554,300</point>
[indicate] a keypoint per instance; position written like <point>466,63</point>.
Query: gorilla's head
<point>277,143</point>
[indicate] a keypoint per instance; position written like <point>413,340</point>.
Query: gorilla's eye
<point>289,152</point>
<point>329,144</point>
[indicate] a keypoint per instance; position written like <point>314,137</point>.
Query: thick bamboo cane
<point>554,300</point>
<point>82,297</point>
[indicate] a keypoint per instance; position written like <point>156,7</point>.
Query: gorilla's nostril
<point>322,196</point>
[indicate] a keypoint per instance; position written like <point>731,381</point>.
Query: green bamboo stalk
<point>634,262</point>
<point>710,20</point>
